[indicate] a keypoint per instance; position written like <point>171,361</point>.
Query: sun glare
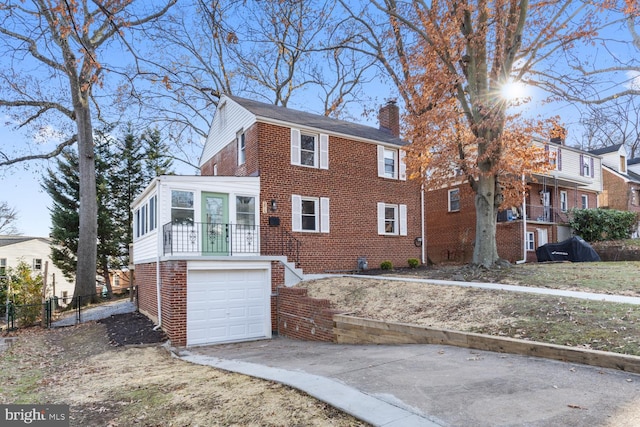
<point>514,91</point>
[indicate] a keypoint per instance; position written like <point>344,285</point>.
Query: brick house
<point>574,182</point>
<point>620,183</point>
<point>281,192</point>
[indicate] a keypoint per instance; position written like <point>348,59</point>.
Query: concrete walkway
<point>96,313</point>
<point>497,287</point>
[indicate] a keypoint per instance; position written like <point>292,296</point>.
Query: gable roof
<point>606,150</point>
<point>12,240</point>
<point>277,113</point>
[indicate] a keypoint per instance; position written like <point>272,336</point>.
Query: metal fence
<point>14,316</point>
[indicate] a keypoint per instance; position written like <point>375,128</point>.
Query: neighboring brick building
<point>574,182</point>
<point>620,183</point>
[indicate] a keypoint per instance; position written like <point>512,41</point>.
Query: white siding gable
<point>224,129</point>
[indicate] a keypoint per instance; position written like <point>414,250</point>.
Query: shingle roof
<point>633,161</point>
<point>12,240</point>
<point>605,150</point>
<point>302,118</point>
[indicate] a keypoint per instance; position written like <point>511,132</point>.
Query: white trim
<point>402,211</point>
<point>324,214</point>
<point>324,151</point>
<point>296,212</point>
<point>295,146</point>
<point>402,166</point>
<point>381,218</point>
<point>449,200</point>
<point>531,239</point>
<point>381,161</point>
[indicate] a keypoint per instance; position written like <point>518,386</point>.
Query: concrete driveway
<point>436,385</point>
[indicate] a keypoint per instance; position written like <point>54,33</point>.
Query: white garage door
<point>227,305</point>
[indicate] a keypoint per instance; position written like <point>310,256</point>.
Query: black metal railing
<point>535,213</point>
<point>278,241</point>
<point>200,238</point>
<point>210,238</point>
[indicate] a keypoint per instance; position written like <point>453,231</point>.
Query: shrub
<point>594,225</point>
<point>413,262</point>
<point>386,265</point>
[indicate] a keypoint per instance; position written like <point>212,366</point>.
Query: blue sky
<point>21,188</point>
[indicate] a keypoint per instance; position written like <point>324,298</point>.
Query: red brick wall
<point>145,280</point>
<point>277,281</point>
<point>304,318</point>
<point>293,314</point>
<point>509,238</point>
<point>174,300</point>
<point>353,187</point>
<point>450,235</point>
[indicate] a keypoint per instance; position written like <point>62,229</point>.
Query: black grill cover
<point>574,249</point>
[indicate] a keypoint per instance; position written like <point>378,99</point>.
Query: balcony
<point>213,239</point>
<point>536,213</point>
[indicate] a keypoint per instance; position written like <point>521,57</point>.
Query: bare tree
<point>52,52</point>
<point>617,122</point>
<point>8,217</point>
<point>272,50</point>
<point>450,59</point>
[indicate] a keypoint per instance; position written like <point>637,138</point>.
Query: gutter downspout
<point>158,247</point>
<point>524,226</point>
<point>423,247</point>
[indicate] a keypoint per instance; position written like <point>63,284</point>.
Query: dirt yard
<point>557,320</point>
<point>110,385</point>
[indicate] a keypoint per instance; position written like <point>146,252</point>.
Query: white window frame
<point>587,166</point>
<point>246,215</point>
<point>564,201</point>
<point>399,220</point>
<point>449,200</point>
<point>37,264</point>
<point>153,212</point>
<point>192,208</point>
<point>531,241</point>
<point>320,213</point>
<point>553,157</point>
<point>320,149</point>
<point>399,165</point>
<point>241,147</point>
<point>3,266</point>
<point>585,201</point>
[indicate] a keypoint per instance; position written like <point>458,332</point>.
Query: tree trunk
<point>485,252</point>
<point>88,233</point>
<point>107,278</point>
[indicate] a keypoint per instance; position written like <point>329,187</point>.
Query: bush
<point>599,224</point>
<point>386,265</point>
<point>413,262</point>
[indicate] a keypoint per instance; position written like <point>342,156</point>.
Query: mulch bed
<point>132,329</point>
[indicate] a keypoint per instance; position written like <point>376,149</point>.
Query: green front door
<point>215,224</point>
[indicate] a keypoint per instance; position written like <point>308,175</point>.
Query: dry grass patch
<point>108,386</point>
<point>566,321</point>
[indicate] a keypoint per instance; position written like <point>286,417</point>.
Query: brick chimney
<point>389,118</point>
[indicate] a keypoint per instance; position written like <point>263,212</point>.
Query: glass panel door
<point>215,224</point>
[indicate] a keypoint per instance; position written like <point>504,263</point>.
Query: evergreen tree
<point>158,161</point>
<point>128,179</point>
<point>63,187</point>
<point>109,237</point>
